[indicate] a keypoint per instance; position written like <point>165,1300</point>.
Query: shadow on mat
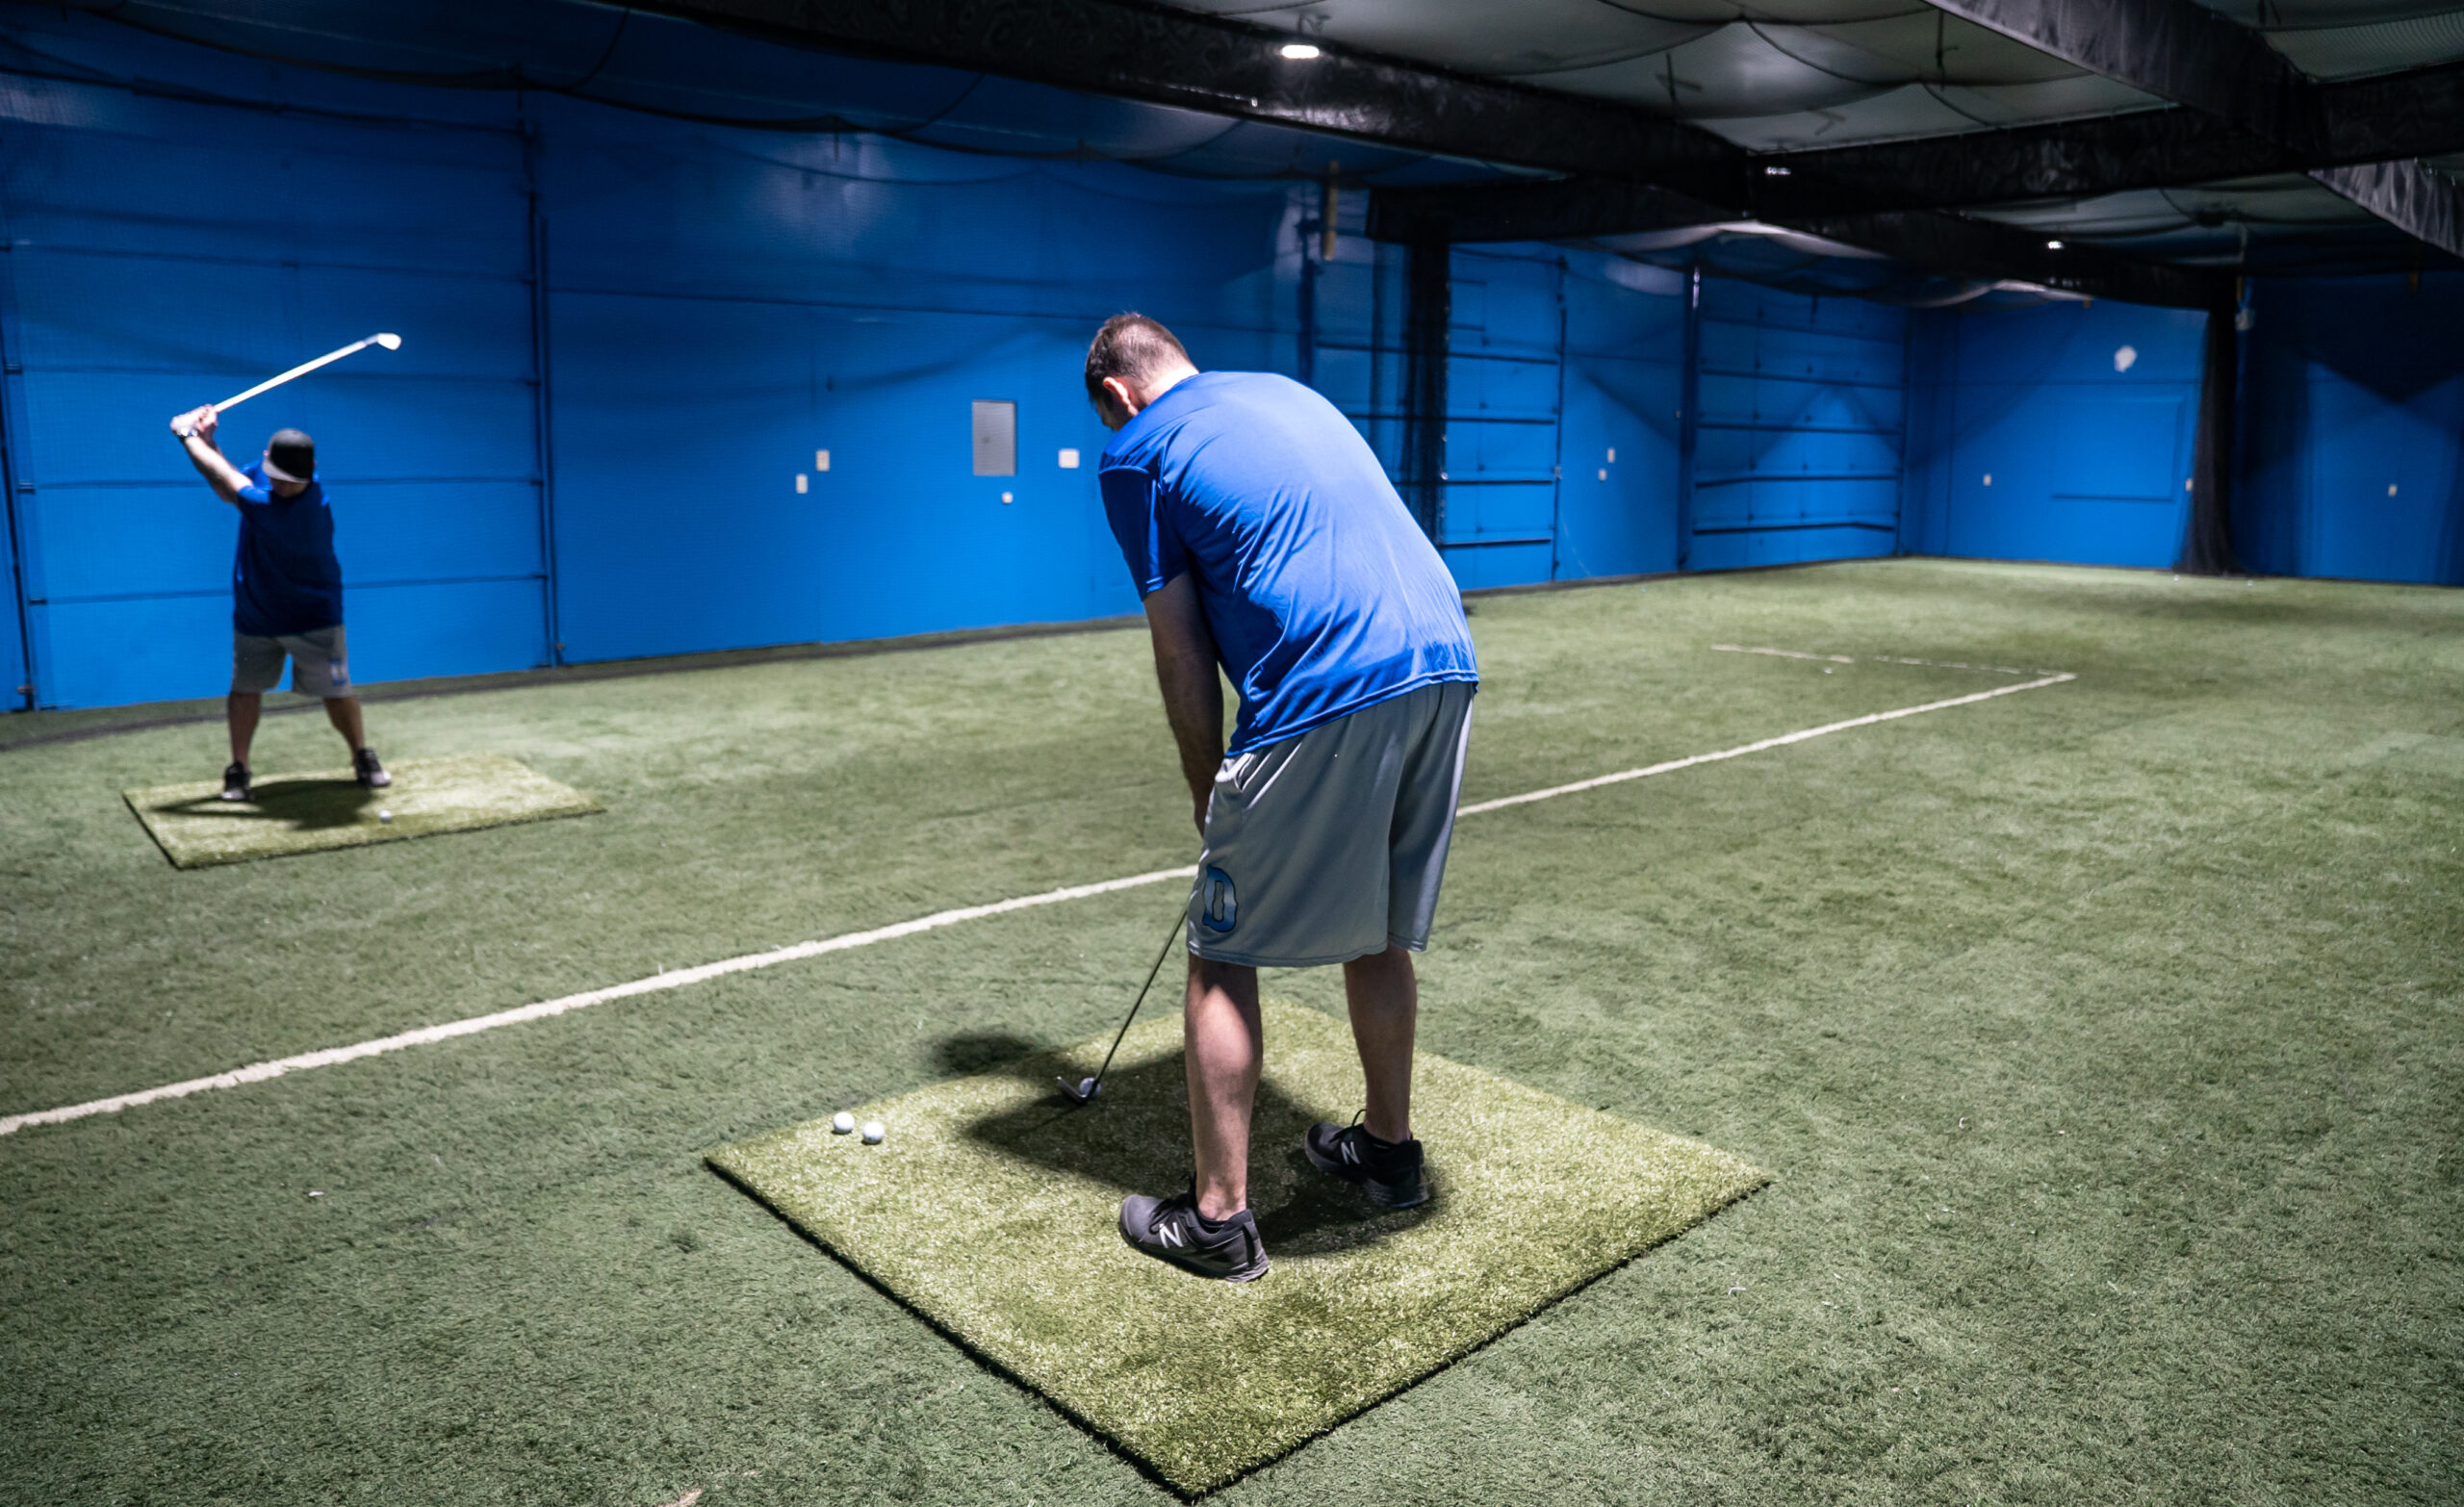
<point>1136,1138</point>
<point>304,805</point>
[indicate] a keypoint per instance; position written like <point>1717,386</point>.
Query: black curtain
<point>2207,545</point>
<point>1428,300</point>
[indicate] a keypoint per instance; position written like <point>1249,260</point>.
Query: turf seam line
<point>664,980</point>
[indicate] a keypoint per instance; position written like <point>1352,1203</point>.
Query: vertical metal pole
<point>1558,436</point>
<point>542,408</point>
<point>15,486</point>
<point>1306,364</point>
<point>1329,200</point>
<point>1689,389</point>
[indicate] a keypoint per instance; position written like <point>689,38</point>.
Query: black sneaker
<point>235,781</point>
<point>1169,1229</point>
<point>372,774</point>
<point>1389,1172</point>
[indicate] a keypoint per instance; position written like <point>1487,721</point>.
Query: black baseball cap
<point>290,455</point>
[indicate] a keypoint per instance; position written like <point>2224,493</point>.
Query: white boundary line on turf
<point>1743,749</point>
<point>678,978</point>
<point>664,980</point>
<point>1880,659</point>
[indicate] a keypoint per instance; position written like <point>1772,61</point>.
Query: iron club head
<point>1086,1090</point>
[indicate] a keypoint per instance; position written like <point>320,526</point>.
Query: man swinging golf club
<point>286,590</point>
<point>1262,533</point>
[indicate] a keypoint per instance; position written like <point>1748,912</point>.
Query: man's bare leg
<point>241,711</point>
<point>1384,995</point>
<point>1223,1043</point>
<point>343,711</point>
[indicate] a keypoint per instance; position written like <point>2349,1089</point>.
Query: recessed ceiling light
<point>1775,172</point>
<point>1300,52</point>
<point>2053,245</point>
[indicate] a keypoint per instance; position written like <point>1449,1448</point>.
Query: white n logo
<point>1168,1234</point>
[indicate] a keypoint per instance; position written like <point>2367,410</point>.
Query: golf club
<point>1089,1087</point>
<point>389,342</point>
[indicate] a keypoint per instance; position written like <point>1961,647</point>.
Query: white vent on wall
<point>996,439</point>
<point>2126,358</point>
<point>1069,460</point>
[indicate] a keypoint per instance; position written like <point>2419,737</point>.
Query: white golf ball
<point>873,1133</point>
<point>384,816</point>
<point>841,1123</point>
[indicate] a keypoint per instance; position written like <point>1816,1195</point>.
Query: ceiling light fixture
<point>1300,52</point>
<point>2053,245</point>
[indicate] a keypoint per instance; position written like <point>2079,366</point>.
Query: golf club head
<point>1084,1092</point>
<point>390,340</point>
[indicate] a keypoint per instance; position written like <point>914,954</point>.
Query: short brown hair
<point>1132,347</point>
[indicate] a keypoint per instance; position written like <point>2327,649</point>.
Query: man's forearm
<point>1193,704</point>
<point>1185,672</point>
<point>219,473</point>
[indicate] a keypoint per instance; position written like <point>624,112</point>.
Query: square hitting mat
<point>990,1209</point>
<point>305,813</point>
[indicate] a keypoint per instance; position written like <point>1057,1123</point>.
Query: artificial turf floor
<point>990,1209</point>
<point>2106,1038</point>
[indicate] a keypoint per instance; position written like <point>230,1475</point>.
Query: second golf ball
<point>841,1123</point>
<point>873,1133</point>
<point>384,816</point>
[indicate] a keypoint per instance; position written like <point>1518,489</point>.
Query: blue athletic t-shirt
<point>1323,594</point>
<point>284,577</point>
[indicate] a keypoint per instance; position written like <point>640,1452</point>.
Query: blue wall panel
<point>2060,431</point>
<point>1799,438</point>
<point>1503,371</point>
<point>2353,440</point>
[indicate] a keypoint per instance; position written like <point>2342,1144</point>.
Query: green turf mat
<point>307,813</point>
<point>990,1210</point>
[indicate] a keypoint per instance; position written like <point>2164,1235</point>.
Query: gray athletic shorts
<point>1329,846</point>
<point>319,667</point>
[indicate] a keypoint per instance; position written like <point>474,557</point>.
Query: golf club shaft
<point>1178,921</point>
<point>299,370</point>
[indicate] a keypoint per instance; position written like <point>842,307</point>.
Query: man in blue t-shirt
<point>286,591</point>
<point>1263,535</point>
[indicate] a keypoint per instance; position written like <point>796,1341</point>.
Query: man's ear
<point>1124,398</point>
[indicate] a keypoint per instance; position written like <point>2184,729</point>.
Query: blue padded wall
<point>2059,431</point>
<point>2352,431</point>
<point>1798,441</point>
<point>164,253</point>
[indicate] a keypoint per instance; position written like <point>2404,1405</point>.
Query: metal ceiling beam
<point>1133,50</point>
<point>1556,209</point>
<point>1577,209</point>
<point>2174,49</point>
<point>2412,196</point>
